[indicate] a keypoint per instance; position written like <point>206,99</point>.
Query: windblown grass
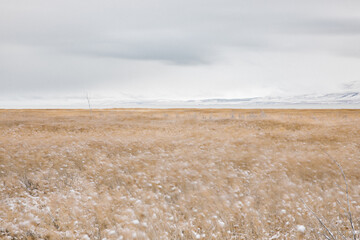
<point>177,174</point>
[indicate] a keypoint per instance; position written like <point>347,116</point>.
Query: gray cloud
<point>176,31</point>
<point>330,26</point>
<point>69,46</point>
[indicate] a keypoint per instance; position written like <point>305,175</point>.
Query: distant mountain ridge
<point>352,97</point>
<point>345,99</point>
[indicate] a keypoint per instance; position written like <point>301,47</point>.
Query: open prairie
<point>179,174</point>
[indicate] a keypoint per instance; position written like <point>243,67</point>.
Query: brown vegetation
<point>177,174</point>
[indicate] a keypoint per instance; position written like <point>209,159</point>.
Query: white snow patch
<point>85,237</point>
<point>221,223</point>
<point>136,222</point>
<point>300,228</point>
<point>197,236</point>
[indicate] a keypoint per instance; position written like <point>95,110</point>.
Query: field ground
<point>178,174</point>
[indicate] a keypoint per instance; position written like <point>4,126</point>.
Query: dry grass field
<point>178,174</point>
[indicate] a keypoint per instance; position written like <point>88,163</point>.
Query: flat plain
<point>179,174</point>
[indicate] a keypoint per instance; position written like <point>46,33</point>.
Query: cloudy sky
<point>177,49</point>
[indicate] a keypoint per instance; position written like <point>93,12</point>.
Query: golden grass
<point>177,174</point>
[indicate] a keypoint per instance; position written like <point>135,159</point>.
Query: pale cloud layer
<point>177,49</point>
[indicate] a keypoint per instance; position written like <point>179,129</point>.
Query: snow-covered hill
<point>330,98</point>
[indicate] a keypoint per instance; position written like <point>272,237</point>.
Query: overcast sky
<point>178,49</point>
